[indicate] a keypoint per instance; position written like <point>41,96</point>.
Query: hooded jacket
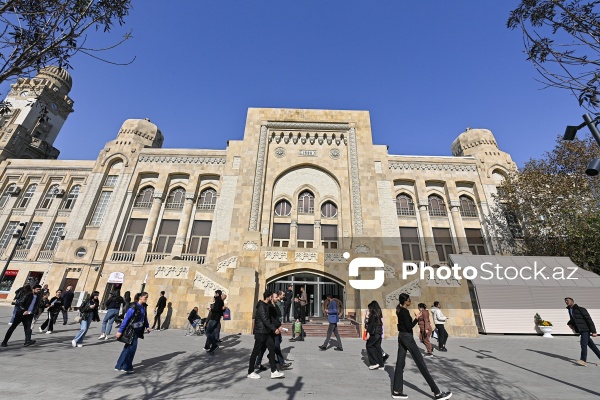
<point>580,320</point>
<point>263,323</point>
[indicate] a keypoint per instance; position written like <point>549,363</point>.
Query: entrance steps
<point>317,327</point>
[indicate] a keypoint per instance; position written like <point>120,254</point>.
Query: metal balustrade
<point>126,256</point>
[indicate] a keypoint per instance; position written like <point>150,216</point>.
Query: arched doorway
<point>317,288</point>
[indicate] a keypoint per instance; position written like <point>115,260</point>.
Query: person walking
<point>45,290</point>
<point>18,292</point>
<point>303,303</point>
<point>67,301</point>
<point>439,320</point>
<point>287,303</point>
<point>126,304</point>
<point>264,336</point>
<point>135,316</point>
<point>56,304</point>
<point>333,319</point>
<point>216,312</point>
<point>28,302</point>
<point>161,304</point>
<point>42,306</point>
<point>406,343</point>
<point>425,329</point>
<point>375,332</point>
<point>113,305</point>
<point>581,322</point>
<point>89,313</point>
<point>281,305</point>
<point>276,317</point>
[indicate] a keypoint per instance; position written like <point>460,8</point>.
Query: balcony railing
<point>46,255</point>
<point>174,206</point>
<point>194,257</point>
<point>206,206</point>
<point>437,213</point>
<point>143,204</point>
<point>155,256</point>
<point>21,254</point>
<point>468,213</point>
<point>126,256</point>
<point>405,211</point>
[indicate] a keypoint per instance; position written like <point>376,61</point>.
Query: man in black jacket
<point>67,300</point>
<point>28,304</point>
<point>287,304</point>
<point>264,335</point>
<point>581,322</point>
<point>160,307</point>
<point>214,323</point>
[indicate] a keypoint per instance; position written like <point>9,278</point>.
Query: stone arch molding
<point>294,180</point>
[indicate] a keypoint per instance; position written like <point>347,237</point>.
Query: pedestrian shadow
<point>291,390</point>
<point>150,362</point>
<point>167,321</point>
<point>570,360</point>
<point>230,341</point>
<point>391,372</point>
<point>364,357</point>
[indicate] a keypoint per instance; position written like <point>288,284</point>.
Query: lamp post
<point>144,284</point>
<point>593,167</point>
<point>19,234</point>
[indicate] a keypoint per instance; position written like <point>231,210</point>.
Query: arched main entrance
<point>317,288</point>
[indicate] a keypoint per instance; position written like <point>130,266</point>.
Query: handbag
<point>79,318</point>
<point>364,334</point>
<point>435,334</point>
<point>128,334</point>
<point>227,314</point>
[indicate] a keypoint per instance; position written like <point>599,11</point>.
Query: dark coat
<point>86,310</point>
<point>262,321</point>
<point>67,299</point>
<point>581,320</point>
<point>289,297</point>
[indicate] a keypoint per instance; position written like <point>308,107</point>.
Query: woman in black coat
<point>89,313</point>
<point>375,330</point>
<point>56,304</point>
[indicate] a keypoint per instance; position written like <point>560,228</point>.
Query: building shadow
<point>167,322</point>
<point>291,390</point>
<point>150,362</point>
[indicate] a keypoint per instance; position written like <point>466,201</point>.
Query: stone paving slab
<point>170,365</point>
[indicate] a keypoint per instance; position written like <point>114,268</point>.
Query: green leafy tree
<point>550,208</point>
<point>562,40</point>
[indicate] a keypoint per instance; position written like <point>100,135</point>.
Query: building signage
<point>11,272</point>
<point>308,153</point>
<point>116,277</point>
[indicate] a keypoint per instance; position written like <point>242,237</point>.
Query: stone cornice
<point>408,166</point>
<point>183,160</point>
<point>308,125</point>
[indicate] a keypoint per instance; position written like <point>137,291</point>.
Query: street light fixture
<point>593,167</point>
<point>19,234</point>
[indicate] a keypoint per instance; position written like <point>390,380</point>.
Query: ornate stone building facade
<point>279,207</point>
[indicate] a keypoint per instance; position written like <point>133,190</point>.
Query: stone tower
<point>39,108</point>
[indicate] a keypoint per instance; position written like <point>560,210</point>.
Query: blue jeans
<point>108,320</point>
<point>125,361</point>
<point>12,319</point>
<point>586,341</point>
<point>211,334</point>
<point>83,328</point>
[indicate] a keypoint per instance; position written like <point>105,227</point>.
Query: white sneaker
<point>254,375</point>
<point>374,366</point>
<point>49,332</point>
<point>105,337</point>
<point>79,345</point>
<point>41,330</point>
<point>73,343</point>
<point>102,336</point>
<point>277,374</point>
<point>10,323</point>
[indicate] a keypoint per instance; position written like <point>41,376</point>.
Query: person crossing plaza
<point>56,305</point>
<point>581,322</point>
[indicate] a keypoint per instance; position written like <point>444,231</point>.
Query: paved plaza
<point>169,365</point>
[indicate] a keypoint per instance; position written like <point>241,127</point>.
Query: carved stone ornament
<point>413,288</point>
<point>450,282</point>
<point>170,271</point>
<point>279,152</point>
<point>183,160</point>
<point>258,177</point>
<point>362,249</point>
<point>335,153</point>
<point>231,262</point>
<point>355,184</point>
<point>276,255</point>
<point>390,272</point>
<point>209,286</point>
<point>305,256</point>
<point>335,258</point>
<point>250,246</point>
<point>432,167</point>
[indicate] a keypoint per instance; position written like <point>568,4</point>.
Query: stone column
<point>317,238</point>
<point>430,251</point>
<point>146,243</point>
<point>293,233</point>
<point>184,223</point>
<point>461,237</point>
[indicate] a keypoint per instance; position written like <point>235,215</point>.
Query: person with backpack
<point>137,318</point>
<point>333,310</point>
<point>375,331</point>
<point>27,303</point>
<point>89,313</point>
<point>113,305</point>
<point>56,304</point>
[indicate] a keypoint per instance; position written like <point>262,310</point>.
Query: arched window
<point>283,208</point>
<point>71,197</point>
<point>49,196</point>
<point>306,203</point>
<point>6,195</point>
<point>208,199</point>
<point>404,205</point>
<point>467,207</point>
<point>26,198</point>
<point>437,208</point>
<point>176,198</point>
<point>329,209</point>
<point>144,198</point>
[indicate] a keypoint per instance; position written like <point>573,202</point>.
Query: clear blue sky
<point>424,70</point>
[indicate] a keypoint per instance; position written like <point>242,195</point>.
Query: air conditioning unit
<point>13,190</point>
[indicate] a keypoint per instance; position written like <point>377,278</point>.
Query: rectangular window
<point>135,233</point>
<point>54,238</point>
<point>306,236</point>
<point>443,243</point>
<point>111,180</point>
<point>200,236</point>
<point>32,232</point>
<point>7,234</point>
<point>166,235</point>
<point>476,242</point>
<point>101,208</point>
<point>329,236</point>
<point>411,247</point>
<point>281,235</point>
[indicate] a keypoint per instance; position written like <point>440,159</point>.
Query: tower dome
<point>58,76</point>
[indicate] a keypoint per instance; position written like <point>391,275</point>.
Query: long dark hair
<point>127,296</point>
<point>375,314</point>
<point>401,300</point>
